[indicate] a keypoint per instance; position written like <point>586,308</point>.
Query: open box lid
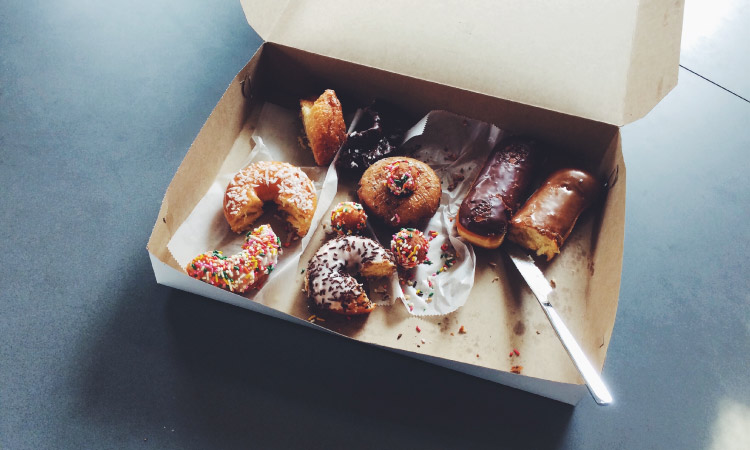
<point>606,61</point>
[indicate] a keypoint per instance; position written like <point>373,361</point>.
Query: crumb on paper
<point>492,264</point>
<point>311,318</point>
<point>477,355</point>
<point>399,336</point>
<point>496,279</point>
<point>537,332</point>
<point>516,369</point>
<point>462,330</point>
<point>423,341</point>
<point>552,283</point>
<point>452,334</point>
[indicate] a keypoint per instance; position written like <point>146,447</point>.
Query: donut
<point>364,146</point>
<point>286,185</point>
<point>409,247</point>
<point>243,271</point>
<point>324,126</point>
<point>400,191</point>
<point>546,220</point>
<point>328,282</point>
<point>348,218</point>
<point>498,191</point>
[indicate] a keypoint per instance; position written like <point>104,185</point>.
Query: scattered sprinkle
<point>419,330</point>
<point>516,352</point>
<point>462,330</point>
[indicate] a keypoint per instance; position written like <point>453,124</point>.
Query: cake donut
<point>498,191</point>
<point>243,271</point>
<point>324,126</point>
<point>348,218</point>
<point>400,191</point>
<point>328,282</point>
<point>286,185</point>
<point>409,247</point>
<point>546,220</point>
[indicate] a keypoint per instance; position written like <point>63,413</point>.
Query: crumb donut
<point>400,191</point>
<point>331,287</point>
<point>286,185</point>
<point>348,218</point>
<point>324,126</point>
<point>246,270</point>
<point>409,247</point>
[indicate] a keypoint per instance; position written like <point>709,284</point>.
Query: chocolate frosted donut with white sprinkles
<point>329,283</point>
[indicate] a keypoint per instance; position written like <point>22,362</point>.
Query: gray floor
<point>98,104</point>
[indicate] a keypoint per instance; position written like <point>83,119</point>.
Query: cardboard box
<point>569,73</point>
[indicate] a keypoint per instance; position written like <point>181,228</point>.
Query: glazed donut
<point>324,126</point>
<point>497,192</point>
<point>548,217</point>
<point>400,191</point>
<point>409,248</point>
<point>246,270</point>
<point>348,218</point>
<point>286,185</point>
<point>329,284</point>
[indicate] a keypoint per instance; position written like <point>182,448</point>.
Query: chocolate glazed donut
<point>498,191</point>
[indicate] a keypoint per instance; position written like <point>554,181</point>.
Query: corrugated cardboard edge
<point>656,56</point>
<point>562,392</point>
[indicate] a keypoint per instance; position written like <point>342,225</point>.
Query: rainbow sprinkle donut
<point>348,218</point>
<point>409,247</point>
<point>243,271</point>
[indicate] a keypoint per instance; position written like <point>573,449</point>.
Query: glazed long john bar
<point>542,289</point>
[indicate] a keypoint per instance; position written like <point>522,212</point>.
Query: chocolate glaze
<point>554,208</point>
<point>500,186</point>
<point>373,139</point>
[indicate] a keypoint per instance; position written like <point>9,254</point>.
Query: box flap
<point>607,61</point>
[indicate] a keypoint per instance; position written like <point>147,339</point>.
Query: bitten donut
<point>286,185</point>
<point>498,191</point>
<point>328,282</point>
<point>409,247</point>
<point>400,191</point>
<point>324,126</point>
<point>246,270</point>
<point>348,218</point>
<point>548,217</point>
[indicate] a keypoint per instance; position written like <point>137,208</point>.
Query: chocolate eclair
<point>498,191</point>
